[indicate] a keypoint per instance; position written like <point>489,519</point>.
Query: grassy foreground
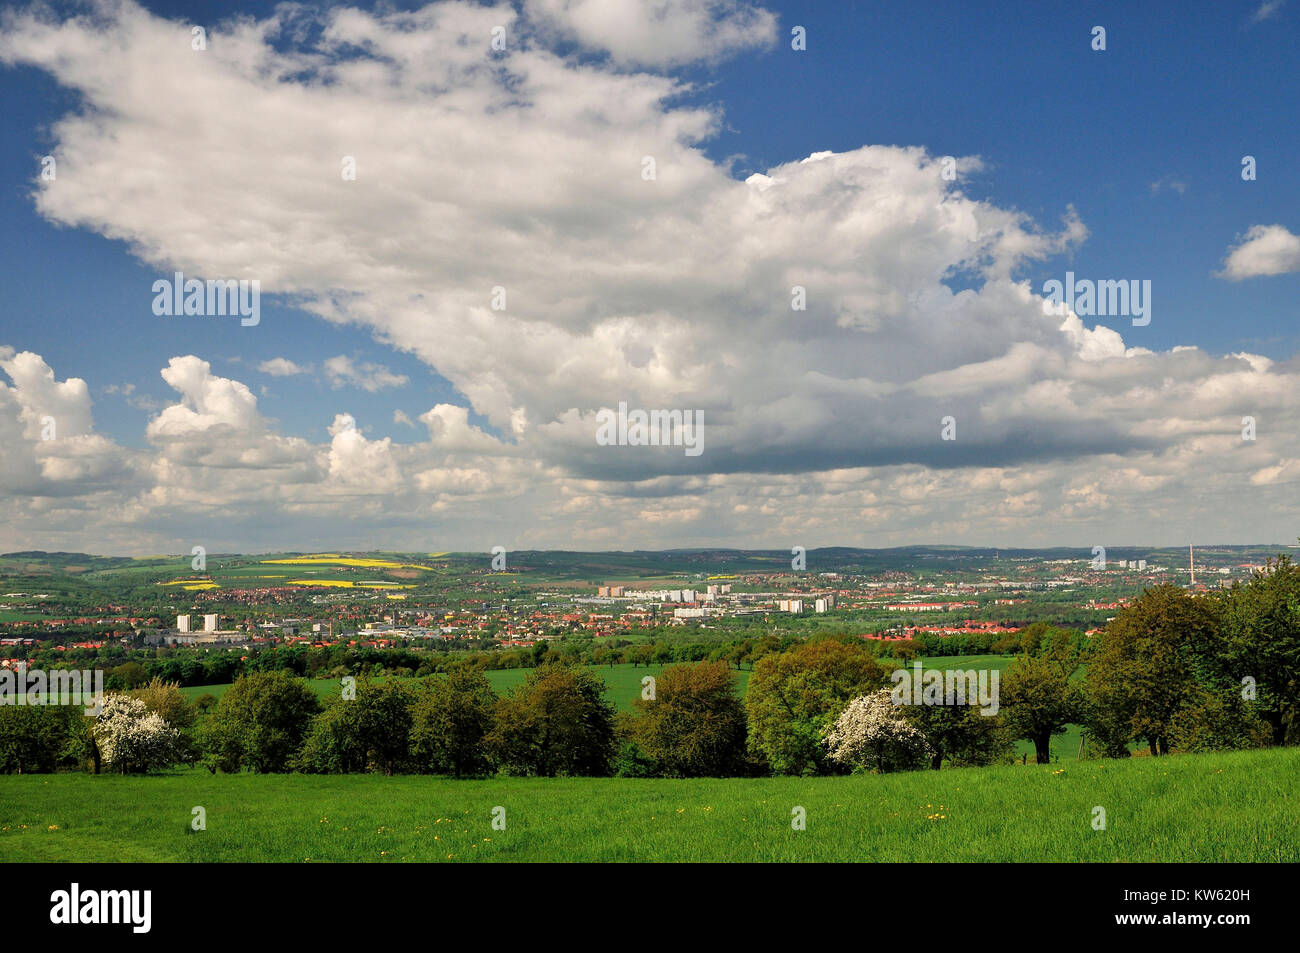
<point>1239,806</point>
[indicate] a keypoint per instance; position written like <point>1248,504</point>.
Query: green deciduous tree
<point>452,719</point>
<point>334,744</point>
<point>961,734</point>
<point>1260,640</point>
<point>695,724</point>
<point>1143,671</point>
<point>1218,720</point>
<point>556,722</point>
<point>369,732</point>
<point>1038,698</point>
<point>794,696</point>
<point>39,738</point>
<point>260,723</point>
<point>127,675</point>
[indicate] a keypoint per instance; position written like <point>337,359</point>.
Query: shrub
<point>369,732</point>
<point>631,762</point>
<point>166,699</point>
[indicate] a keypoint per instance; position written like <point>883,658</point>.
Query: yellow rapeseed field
<point>355,561</point>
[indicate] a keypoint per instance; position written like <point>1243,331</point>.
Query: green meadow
<point>623,682</point>
<point>1238,806</point>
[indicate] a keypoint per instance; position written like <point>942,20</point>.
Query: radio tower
<point>1191,562</point>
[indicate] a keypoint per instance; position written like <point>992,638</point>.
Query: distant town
<point>86,605</point>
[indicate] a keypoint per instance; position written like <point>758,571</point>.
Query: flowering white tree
<point>132,738</point>
<point>873,735</point>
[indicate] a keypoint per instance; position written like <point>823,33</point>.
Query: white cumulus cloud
<point>281,367</point>
<point>1263,250</point>
<point>658,32</point>
<point>343,372</point>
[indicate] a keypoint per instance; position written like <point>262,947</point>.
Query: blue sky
<point>1143,141</point>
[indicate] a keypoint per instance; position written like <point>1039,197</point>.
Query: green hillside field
<point>1239,806</point>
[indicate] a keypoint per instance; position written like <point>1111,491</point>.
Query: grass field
<point>1240,806</point>
<point>623,683</point>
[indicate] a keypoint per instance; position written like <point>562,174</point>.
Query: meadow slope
<point>1239,806</point>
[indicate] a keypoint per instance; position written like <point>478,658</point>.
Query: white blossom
<point>132,738</point>
<point>873,735</point>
